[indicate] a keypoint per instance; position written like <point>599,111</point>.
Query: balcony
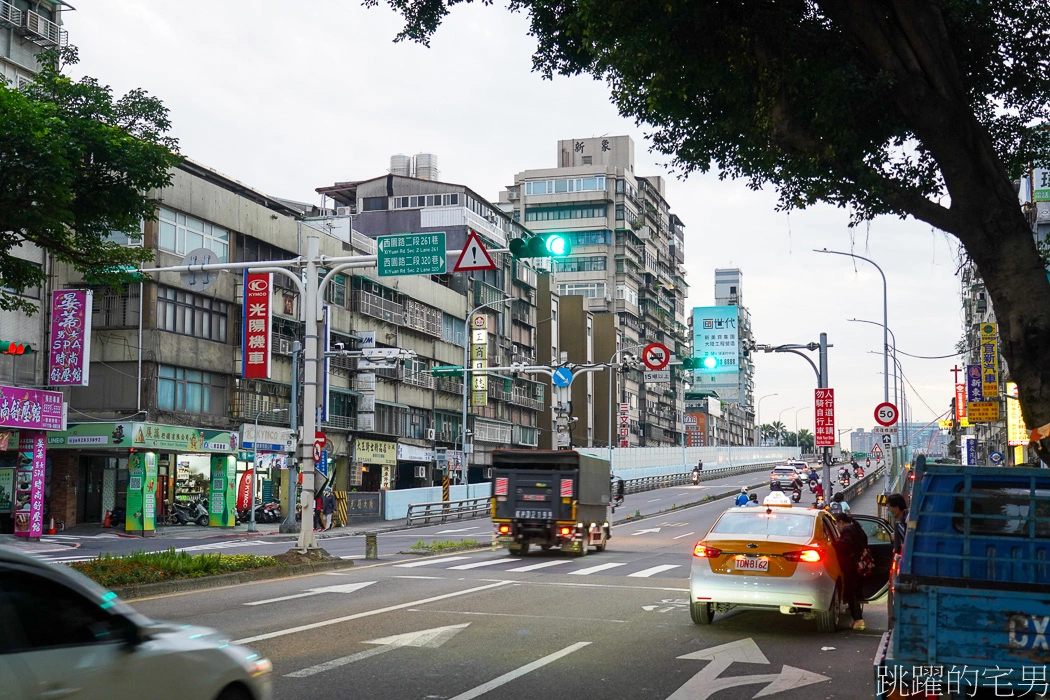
<point>496,390</point>
<point>248,405</point>
<point>421,379</point>
<point>486,431</point>
<point>486,294</point>
<point>10,16</point>
<point>340,423</point>
<point>519,399</point>
<point>522,312</point>
<point>423,318</point>
<point>449,385</point>
<point>42,32</point>
<point>526,435</point>
<point>377,307</point>
<point>524,275</point>
<point>447,435</point>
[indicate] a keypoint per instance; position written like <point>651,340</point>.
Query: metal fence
<point>650,483</point>
<point>441,511</point>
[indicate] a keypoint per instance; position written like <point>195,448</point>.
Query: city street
<point>611,625</point>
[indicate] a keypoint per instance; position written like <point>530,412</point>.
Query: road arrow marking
<point>681,536</point>
<point>518,672</point>
<point>338,588</point>
<point>462,529</point>
<point>709,681</point>
<point>431,639</point>
<point>642,532</point>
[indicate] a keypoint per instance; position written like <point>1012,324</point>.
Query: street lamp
<point>255,465</point>
<point>611,373</point>
<point>758,416</point>
<point>780,433</point>
<point>892,335</point>
<point>796,423</point>
<point>467,381</point>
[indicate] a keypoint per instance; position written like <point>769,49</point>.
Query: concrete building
<point>862,440</point>
<point>626,262</point>
<point>26,29</point>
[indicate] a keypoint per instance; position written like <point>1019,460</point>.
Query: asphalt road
<point>351,545</point>
<point>484,624</point>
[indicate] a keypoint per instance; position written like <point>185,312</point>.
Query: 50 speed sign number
<point>886,414</point>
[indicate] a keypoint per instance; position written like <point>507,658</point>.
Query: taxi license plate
<point>752,564</point>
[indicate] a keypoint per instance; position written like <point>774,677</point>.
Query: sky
<point>288,97</point>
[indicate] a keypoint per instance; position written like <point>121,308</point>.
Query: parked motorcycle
<point>191,512</point>
<point>271,513</point>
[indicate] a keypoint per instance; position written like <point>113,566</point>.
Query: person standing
<point>898,508</point>
<point>849,546</point>
<point>328,507</point>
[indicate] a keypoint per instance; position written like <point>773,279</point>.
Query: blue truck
<point>970,589</point>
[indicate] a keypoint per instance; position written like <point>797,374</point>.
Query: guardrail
<point>858,487</point>
<point>651,483</point>
<point>443,510</point>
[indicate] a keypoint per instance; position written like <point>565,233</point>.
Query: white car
<point>63,636</point>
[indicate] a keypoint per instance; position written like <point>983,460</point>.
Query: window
<point>626,293</point>
<point>591,290</point>
<point>758,522</point>
<point>619,212</point>
<point>190,391</point>
<point>111,309</point>
<point>562,213</point>
<point>578,184</point>
<point>578,238</point>
<point>373,204</point>
<point>181,234</point>
<point>130,240</point>
<point>586,264</point>
<point>619,187</point>
<point>453,330</point>
<point>336,291</point>
<point>429,200</point>
<point>186,313</point>
<point>51,616</point>
<point>29,292</point>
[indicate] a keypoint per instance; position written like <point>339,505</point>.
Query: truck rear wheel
<point>583,547</point>
<point>518,549</point>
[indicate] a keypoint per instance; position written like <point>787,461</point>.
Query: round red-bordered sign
<point>656,356</point>
<point>886,414</point>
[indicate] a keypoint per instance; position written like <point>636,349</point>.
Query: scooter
<point>796,495</point>
<point>696,478</point>
<point>191,512</point>
<point>844,479</point>
<point>859,472</point>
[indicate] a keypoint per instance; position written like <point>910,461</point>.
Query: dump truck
<point>970,594</point>
<point>551,498</point>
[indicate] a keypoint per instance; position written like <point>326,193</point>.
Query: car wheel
<point>828,620</point>
<point>234,692</point>
<point>702,613</point>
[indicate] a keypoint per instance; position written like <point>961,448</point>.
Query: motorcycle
<point>859,472</point>
<point>844,479</point>
<point>696,478</point>
<point>271,513</point>
<point>191,512</point>
<point>796,495</point>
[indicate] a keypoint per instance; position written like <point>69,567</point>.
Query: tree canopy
<point>76,167</point>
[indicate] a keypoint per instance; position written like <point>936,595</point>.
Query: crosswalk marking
<point>534,567</point>
<point>429,562</point>
<point>646,573</point>
<point>479,564</point>
<point>221,545</point>
<point>594,569</point>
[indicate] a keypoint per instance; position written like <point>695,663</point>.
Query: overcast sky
<point>287,97</point>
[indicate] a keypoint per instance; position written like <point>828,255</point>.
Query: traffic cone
<point>51,527</point>
<point>105,522</point>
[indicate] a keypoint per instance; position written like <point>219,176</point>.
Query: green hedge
<point>151,567</point>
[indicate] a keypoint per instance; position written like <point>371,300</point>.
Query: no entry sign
<point>656,356</point>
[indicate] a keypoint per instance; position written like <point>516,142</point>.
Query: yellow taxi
<point>772,557</point>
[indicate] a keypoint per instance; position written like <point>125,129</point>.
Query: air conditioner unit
<point>431,433</point>
<point>513,195</point>
<point>342,211</point>
<point>421,472</point>
<point>283,346</point>
<point>608,298</point>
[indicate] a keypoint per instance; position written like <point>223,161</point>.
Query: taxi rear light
<point>702,550</point>
<point>804,605</point>
<point>805,555</point>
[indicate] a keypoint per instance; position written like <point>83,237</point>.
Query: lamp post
<point>894,337</point>
<point>255,465</point>
<point>758,416</point>
<point>467,382</point>
<point>796,423</point>
<point>780,433</point>
<point>611,373</point>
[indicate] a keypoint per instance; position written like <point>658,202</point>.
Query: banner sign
<point>69,355</point>
<point>970,452</point>
<point>824,412</point>
<point>715,336</point>
<point>375,452</point>
<point>244,490</point>
<point>960,401</point>
<point>31,408</point>
<point>974,384</point>
<point>257,321</point>
<point>29,484</point>
<point>989,360</point>
<point>983,411</point>
<point>7,490</point>
<point>1016,430</point>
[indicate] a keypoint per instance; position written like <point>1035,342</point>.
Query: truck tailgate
<point>534,494</point>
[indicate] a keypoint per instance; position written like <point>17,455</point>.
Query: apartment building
<point>626,263</point>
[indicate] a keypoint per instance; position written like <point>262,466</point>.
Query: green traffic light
<point>544,245</point>
<point>557,245</point>
<point>710,362</point>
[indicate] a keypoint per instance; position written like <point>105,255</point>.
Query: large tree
<point>75,165</point>
<point>922,108</point>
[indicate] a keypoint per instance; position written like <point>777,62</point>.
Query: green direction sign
<point>412,254</point>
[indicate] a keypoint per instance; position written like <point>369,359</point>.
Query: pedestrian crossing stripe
<point>467,563</point>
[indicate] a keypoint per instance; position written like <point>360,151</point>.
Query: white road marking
<point>67,560</point>
<point>646,573</point>
<point>432,639</point>
<point>642,532</point>
<point>462,529</point>
<point>537,617</point>
<point>534,567</point>
<point>709,681</point>
<point>593,569</point>
<point>428,562</point>
<point>422,578</point>
<point>654,500</point>
<point>479,564</point>
<point>518,672</point>
<point>685,535</point>
<point>222,545</point>
<point>367,613</point>
<point>338,588</point>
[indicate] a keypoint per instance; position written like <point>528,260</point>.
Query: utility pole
<point>823,381</point>
<point>290,524</point>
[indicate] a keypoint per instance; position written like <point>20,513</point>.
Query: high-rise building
<point>626,261</point>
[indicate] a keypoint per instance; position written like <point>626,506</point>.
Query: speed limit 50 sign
<point>886,414</point>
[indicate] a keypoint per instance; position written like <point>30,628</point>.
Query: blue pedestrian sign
<point>996,457</point>
<point>562,376</point>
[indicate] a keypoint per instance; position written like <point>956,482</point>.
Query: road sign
<point>876,449</point>
<point>411,254</point>
<point>824,417</point>
<point>656,356</point>
<point>996,457</point>
<point>562,376</point>
<point>886,414</point>
<point>474,256</point>
<point>198,281</point>
<point>320,442</point>
<point>887,440</point>
<point>884,430</point>
<point>657,377</point>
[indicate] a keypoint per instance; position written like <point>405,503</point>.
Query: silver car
<point>63,636</point>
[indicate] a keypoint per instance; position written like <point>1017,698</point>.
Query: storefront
<point>413,466</point>
<point>375,465</point>
<point>269,458</point>
<point>25,472</point>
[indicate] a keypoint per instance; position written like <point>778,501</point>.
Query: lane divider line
<point>519,672</point>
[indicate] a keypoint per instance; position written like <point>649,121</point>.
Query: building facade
<point>626,262</point>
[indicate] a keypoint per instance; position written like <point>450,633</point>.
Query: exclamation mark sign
<point>474,252</point>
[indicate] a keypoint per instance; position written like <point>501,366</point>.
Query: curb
<point>197,584</point>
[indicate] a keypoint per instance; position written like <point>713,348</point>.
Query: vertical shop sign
<point>29,484</point>
<point>824,411</point>
<point>7,490</point>
<point>222,499</point>
<point>386,477</point>
<point>479,359</point>
<point>257,320</point>
<point>244,490</point>
<point>989,361</point>
<point>974,384</point>
<point>625,425</point>
<point>69,355</point>
<point>149,494</point>
<point>960,402</point>
<point>1016,430</point>
<point>136,490</point>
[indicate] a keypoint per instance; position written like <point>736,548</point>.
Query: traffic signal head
<point>709,362</point>
<point>12,348</point>
<point>543,245</point>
